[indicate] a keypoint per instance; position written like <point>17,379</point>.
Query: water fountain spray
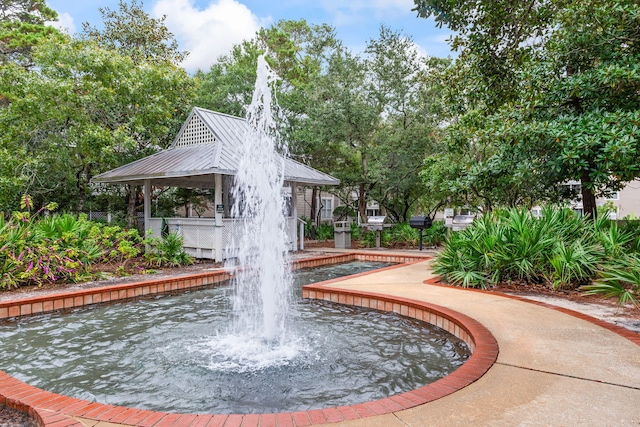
<point>263,283</point>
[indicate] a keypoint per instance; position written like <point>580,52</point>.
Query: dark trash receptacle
<point>421,223</point>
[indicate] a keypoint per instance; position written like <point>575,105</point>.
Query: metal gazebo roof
<point>204,146</point>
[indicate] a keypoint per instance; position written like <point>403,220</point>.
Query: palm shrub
<point>324,231</point>
<point>167,250</point>
<point>356,231</point>
<point>435,235</point>
<point>307,226</point>
<point>368,238</point>
<point>560,249</point>
<point>620,279</point>
<point>573,264</point>
<point>619,275</point>
<point>403,235</point>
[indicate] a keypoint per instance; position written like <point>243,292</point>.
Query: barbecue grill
<point>460,222</point>
<point>420,223</point>
<point>376,223</point>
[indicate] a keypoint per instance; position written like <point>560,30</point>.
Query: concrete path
<point>553,369</point>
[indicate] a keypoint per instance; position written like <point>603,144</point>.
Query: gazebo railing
<point>199,234</point>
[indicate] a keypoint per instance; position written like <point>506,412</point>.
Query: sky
<point>209,28</point>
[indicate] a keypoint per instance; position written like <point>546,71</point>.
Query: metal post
<point>421,239</point>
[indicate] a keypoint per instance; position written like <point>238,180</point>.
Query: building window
<point>614,196</point>
<point>327,208</point>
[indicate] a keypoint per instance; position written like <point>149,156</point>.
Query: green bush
<point>324,231</point>
<point>356,231</point>
<point>167,251</point>
<point>619,278</point>
<point>368,238</point>
<point>434,235</point>
<point>307,226</point>
<point>402,235</point>
<point>560,249</point>
<point>59,248</point>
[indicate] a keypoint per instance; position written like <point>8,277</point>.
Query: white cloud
<point>64,23</point>
<point>210,32</point>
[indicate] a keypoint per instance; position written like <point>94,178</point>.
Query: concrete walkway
<point>553,369</point>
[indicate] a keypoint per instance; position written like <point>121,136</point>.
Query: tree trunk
<point>405,212</point>
<point>362,190</point>
<point>362,203</point>
<point>81,199</point>
<point>132,196</point>
<point>82,183</point>
<point>589,208</point>
<point>227,197</point>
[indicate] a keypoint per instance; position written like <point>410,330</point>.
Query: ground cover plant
<point>560,250</point>
<point>402,235</point>
<point>64,248</point>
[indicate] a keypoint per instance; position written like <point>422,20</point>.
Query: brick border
<point>71,299</point>
<point>53,410</point>
<point>623,332</point>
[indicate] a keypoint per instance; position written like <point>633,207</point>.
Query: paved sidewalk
<point>553,369</point>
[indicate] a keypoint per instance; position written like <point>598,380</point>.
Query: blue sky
<point>209,28</point>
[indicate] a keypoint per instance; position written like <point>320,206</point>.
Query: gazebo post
<point>219,210</point>
<point>147,204</point>
<point>297,245</point>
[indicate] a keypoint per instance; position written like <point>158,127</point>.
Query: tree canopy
<point>86,107</point>
<point>543,93</point>
<point>22,27</point>
<point>132,32</point>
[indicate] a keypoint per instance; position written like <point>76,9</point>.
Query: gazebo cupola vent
<point>195,133</point>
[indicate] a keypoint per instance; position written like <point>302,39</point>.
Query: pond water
<point>173,353</point>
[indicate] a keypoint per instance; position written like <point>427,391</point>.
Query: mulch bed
<point>10,417</point>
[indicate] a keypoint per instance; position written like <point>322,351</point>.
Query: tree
<point>495,39</point>
<point>557,84</point>
<point>591,97</point>
<point>295,50</point>
<point>298,52</point>
<point>409,105</point>
<point>82,110</point>
<point>23,26</point>
<point>132,32</point>
<point>148,42</point>
<point>228,85</point>
<point>341,120</point>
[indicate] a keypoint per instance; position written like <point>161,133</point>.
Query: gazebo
<point>203,151</point>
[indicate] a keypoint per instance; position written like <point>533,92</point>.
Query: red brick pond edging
<point>54,410</point>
